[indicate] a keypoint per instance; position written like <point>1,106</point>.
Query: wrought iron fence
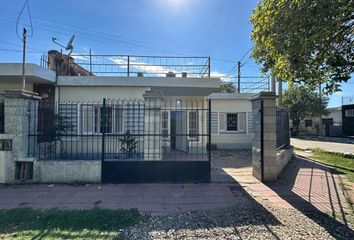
<point>120,130</point>
<point>283,131</point>
<point>2,116</point>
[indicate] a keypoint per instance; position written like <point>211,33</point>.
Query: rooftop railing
<point>133,65</point>
<point>348,100</point>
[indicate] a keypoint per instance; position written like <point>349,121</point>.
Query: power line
<point>116,38</point>
<point>15,50</point>
<point>26,3</point>
<point>18,45</point>
<point>245,54</point>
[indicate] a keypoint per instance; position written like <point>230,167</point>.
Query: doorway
<point>179,131</point>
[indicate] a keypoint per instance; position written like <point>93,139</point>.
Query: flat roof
<point>12,72</point>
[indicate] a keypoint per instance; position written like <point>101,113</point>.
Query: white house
<point>127,109</point>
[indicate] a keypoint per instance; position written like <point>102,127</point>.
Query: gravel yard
<point>242,223</point>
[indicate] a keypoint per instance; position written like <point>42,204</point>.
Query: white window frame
<point>225,131</point>
<point>114,109</point>
<point>237,122</point>
<point>195,138</point>
<point>97,122</point>
<point>166,138</point>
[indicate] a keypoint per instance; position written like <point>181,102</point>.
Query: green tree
<point>302,102</point>
<point>306,41</point>
<point>227,87</point>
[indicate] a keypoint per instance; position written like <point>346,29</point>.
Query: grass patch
<point>342,164</point>
<point>27,223</point>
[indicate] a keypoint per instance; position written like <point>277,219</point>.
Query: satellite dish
<point>69,46</point>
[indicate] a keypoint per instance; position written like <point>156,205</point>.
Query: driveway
<point>327,146</point>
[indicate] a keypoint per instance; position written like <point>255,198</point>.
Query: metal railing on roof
<point>137,66</point>
<point>248,84</point>
<point>348,100</point>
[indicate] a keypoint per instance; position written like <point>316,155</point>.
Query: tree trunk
<point>296,124</point>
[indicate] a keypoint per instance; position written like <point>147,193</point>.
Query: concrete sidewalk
<point>327,146</point>
<point>147,198</point>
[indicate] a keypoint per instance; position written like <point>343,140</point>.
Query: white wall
<point>336,115</point>
<point>7,86</point>
<point>92,93</point>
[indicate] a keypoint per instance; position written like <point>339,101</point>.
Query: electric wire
<point>26,4</point>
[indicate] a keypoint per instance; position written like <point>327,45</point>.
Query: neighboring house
<point>348,115</point>
<point>331,123</point>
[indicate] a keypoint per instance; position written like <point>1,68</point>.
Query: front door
<point>179,131</point>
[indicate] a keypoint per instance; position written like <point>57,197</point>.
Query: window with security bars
<point>193,125</point>
<point>231,122</point>
<point>96,119</point>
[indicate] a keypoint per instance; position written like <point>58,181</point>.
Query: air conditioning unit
<point>170,74</point>
<point>184,74</point>
<point>140,74</point>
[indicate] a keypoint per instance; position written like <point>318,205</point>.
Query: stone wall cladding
<point>273,161</point>
<point>283,157</point>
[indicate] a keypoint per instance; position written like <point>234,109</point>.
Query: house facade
<point>121,112</point>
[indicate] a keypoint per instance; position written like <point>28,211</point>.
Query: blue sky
<point>219,29</point>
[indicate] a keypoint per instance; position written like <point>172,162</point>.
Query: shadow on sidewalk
<point>311,188</point>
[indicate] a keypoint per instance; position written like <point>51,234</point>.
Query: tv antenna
<point>68,47</point>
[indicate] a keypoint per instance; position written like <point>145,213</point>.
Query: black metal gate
<point>136,140</point>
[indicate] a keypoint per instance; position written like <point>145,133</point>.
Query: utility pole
<point>239,77</point>
<point>272,84</point>
<point>24,59</point>
<point>321,121</point>
<point>280,93</point>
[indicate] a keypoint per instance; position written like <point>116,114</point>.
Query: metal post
<point>238,76</point>
<point>90,62</point>
<point>103,126</point>
<point>209,67</point>
<point>321,121</point>
<point>24,59</point>
<point>272,83</point>
<point>262,143</point>
<point>128,67</point>
<point>209,135</point>
<point>280,93</point>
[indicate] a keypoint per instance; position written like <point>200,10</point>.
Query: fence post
<point>90,62</point>
<point>18,106</point>
<point>103,126</point>
<point>264,159</point>
<point>209,67</point>
<point>128,66</point>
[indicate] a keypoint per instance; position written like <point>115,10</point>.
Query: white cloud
<point>221,75</point>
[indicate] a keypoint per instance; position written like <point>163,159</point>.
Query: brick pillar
<point>264,158</point>
<point>152,125</point>
<point>20,114</point>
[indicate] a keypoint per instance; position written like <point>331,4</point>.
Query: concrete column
<point>264,158</point>
<point>152,125</point>
<point>20,114</point>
